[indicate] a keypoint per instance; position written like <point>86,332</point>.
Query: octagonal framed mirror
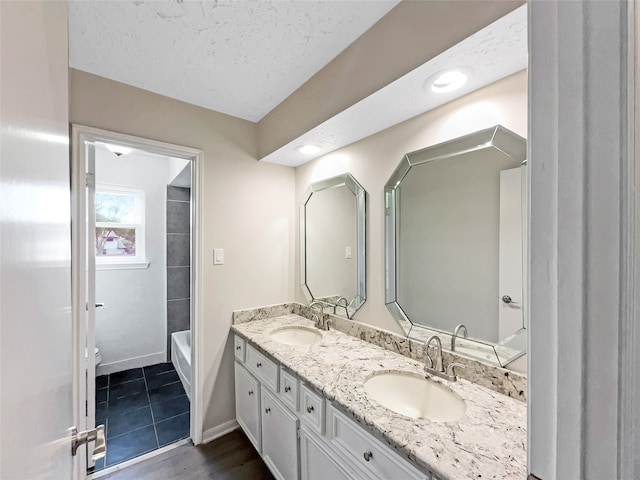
<point>332,244</point>
<point>455,244</point>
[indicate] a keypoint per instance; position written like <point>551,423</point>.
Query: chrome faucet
<point>316,304</point>
<point>456,333</point>
<point>437,368</point>
<point>319,318</point>
<point>438,363</point>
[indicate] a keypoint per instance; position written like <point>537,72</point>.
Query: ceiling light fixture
<point>448,80</point>
<point>308,149</point>
<point>118,149</point>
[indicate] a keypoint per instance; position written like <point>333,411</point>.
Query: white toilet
<point>98,356</point>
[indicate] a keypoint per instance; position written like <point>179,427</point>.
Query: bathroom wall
<point>178,261</point>
<point>130,331</point>
<point>249,210</point>
<point>372,161</point>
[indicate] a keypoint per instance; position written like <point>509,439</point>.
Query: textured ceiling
<point>493,53</point>
<point>238,57</point>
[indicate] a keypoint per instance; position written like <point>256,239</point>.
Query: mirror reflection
<point>332,228</point>
<point>455,218</point>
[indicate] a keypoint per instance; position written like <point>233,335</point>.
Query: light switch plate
<point>347,252</point>
<point>218,256</point>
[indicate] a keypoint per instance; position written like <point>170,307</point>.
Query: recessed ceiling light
<point>117,149</point>
<point>308,149</point>
<point>449,80</point>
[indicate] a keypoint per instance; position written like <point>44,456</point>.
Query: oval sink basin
<point>296,336</point>
<point>415,396</point>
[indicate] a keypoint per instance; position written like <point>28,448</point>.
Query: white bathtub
<point>181,357</point>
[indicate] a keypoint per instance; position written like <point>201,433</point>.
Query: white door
<point>36,336</point>
<point>86,250</point>
<point>510,291</point>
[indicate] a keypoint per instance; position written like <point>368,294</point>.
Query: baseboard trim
<point>136,362</point>
<point>219,431</point>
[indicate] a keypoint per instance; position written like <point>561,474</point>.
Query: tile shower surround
<point>501,380</point>
<point>142,409</point>
<point>178,260</point>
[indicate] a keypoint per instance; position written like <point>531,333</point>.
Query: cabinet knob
<point>258,364</point>
<point>287,389</point>
<point>310,409</point>
<point>238,347</point>
<point>368,456</point>
<point>250,392</point>
<point>267,410</point>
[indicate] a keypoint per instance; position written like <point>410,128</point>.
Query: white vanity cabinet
<point>248,405</point>
<point>300,434</point>
<point>279,437</point>
<point>270,425</point>
<point>317,461</point>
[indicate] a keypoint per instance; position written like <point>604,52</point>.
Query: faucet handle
<point>451,366</point>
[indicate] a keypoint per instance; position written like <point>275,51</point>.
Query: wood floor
<point>231,457</point>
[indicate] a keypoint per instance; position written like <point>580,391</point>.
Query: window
<point>119,236</point>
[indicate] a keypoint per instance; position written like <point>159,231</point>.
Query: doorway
<point>135,279</point>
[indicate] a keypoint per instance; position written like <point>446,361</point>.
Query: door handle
<point>508,300</point>
<point>98,305</point>
<point>82,438</point>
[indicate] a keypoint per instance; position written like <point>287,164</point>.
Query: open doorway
<point>135,277</point>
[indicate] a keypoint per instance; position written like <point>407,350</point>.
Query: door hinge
<point>89,180</point>
<point>298,433</point>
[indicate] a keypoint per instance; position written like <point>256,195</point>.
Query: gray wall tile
<point>178,217</point>
<point>178,249</point>
<point>178,283</point>
<point>178,314</point>
<point>178,318</point>
<point>178,193</point>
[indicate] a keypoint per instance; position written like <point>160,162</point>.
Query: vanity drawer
<point>265,369</point>
<point>239,347</point>
<point>312,409</point>
<point>289,389</point>
<point>366,451</point>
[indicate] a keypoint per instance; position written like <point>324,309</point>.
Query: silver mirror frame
<point>498,138</point>
<point>360,194</point>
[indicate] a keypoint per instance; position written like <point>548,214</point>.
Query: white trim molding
<point>583,216</point>
<point>219,431</point>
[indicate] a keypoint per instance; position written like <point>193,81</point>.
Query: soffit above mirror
<point>490,54</point>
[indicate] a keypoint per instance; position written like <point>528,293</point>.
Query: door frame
<point>79,135</point>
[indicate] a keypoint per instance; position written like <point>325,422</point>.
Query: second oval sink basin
<point>415,396</point>
<point>296,336</point>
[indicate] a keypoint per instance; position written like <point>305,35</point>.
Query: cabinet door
<point>315,460</point>
<point>279,438</point>
<point>248,405</point>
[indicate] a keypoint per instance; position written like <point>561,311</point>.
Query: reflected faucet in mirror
<point>345,306</point>
<point>456,334</point>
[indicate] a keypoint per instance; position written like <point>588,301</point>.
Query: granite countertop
<point>488,442</point>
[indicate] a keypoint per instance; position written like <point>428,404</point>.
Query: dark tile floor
<point>142,410</point>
